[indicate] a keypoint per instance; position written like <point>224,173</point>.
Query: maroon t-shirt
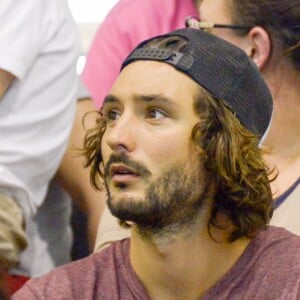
<point>269,269</point>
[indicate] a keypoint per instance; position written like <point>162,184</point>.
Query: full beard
<point>171,203</point>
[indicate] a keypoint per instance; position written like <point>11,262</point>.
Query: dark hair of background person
<point>229,153</point>
<point>280,18</point>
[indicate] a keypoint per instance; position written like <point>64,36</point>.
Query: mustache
<point>135,166</point>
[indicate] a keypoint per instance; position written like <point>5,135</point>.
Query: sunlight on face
<point>150,117</point>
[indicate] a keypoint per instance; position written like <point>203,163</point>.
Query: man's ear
<point>260,46</point>
<point>101,167</point>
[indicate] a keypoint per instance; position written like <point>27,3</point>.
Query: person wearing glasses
<point>269,32</point>
<point>170,145</point>
<point>239,22</point>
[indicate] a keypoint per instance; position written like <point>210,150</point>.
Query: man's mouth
<point>122,173</point>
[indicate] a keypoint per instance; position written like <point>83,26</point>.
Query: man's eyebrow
<point>110,98</point>
<point>155,97</point>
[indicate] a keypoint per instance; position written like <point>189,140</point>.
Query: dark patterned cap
<point>222,69</point>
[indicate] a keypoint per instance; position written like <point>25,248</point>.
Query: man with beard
<point>177,144</point>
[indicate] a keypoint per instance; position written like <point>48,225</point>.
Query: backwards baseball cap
<point>222,69</point>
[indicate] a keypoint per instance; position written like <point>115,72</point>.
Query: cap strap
<point>165,55</point>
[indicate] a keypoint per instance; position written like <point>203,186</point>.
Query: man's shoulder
<point>104,260</point>
<point>281,238</point>
<point>80,279</point>
<point>278,268</point>
<point>276,260</point>
<point>268,269</point>
<point>278,245</point>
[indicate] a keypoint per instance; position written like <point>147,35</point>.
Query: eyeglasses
<point>194,22</point>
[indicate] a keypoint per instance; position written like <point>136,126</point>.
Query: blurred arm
<point>75,178</point>
<point>6,79</point>
<point>109,231</point>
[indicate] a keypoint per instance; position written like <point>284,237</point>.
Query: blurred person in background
<point>40,47</point>
<point>276,55</point>
<point>270,35</point>
<point>38,97</point>
<point>128,23</point>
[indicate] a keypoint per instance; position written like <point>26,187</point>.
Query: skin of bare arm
<point>75,178</point>
<point>6,79</point>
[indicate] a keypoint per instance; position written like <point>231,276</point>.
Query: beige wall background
<point>88,15</point>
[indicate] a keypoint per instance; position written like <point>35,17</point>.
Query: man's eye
<point>155,113</point>
<point>112,115</point>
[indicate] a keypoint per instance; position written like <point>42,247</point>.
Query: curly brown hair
<point>231,156</point>
<point>234,161</point>
<point>92,151</point>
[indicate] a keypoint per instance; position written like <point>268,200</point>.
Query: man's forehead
<point>141,99</point>
<point>151,80</point>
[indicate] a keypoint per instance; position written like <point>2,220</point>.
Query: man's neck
<point>283,139</point>
<point>183,266</point>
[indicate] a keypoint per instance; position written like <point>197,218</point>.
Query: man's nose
<point>121,137</point>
